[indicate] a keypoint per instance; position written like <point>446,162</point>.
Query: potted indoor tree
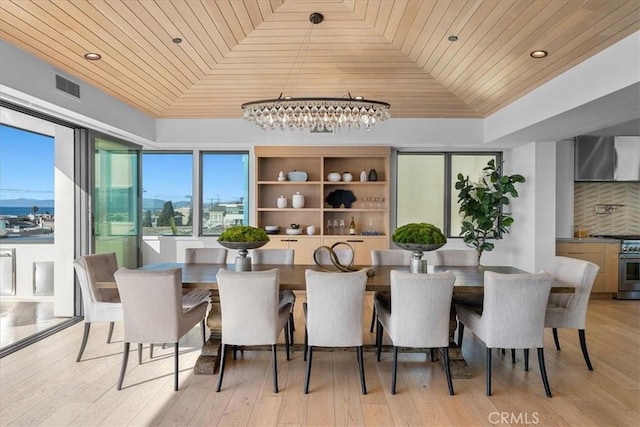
<point>481,206</point>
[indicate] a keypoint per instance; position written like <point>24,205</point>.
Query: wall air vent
<point>67,86</point>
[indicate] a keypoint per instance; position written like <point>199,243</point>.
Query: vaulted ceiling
<point>235,51</point>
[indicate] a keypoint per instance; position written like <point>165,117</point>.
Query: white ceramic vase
<point>297,201</point>
<point>281,202</point>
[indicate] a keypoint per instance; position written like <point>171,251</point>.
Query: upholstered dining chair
<point>251,313</point>
<point>570,310</point>
<point>386,257</point>
<point>456,257</point>
<point>100,305</point>
<point>345,256</point>
<point>153,313</point>
<point>418,317</point>
<point>512,316</point>
<point>283,257</point>
<point>333,315</point>
<point>205,255</point>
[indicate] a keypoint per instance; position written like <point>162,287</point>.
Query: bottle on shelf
<point>352,227</point>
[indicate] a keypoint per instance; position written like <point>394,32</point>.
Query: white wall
<point>564,188</point>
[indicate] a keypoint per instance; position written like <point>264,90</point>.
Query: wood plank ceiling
<point>235,51</point>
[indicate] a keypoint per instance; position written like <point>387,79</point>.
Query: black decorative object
<point>373,175</point>
<point>340,197</point>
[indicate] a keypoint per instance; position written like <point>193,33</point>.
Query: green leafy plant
<point>481,206</point>
<point>419,233</point>
<point>243,233</point>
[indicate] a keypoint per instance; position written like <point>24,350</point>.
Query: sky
<point>26,171</point>
<point>26,161</point>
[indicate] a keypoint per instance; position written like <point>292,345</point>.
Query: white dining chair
<point>456,257</point>
<point>251,313</point>
<point>512,316</point>
<point>386,257</point>
<point>153,312</point>
<point>99,304</point>
<point>570,310</point>
<point>418,316</point>
<point>333,315</point>
<point>277,256</point>
<point>205,255</point>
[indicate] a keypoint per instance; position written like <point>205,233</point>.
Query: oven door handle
<point>630,256</point>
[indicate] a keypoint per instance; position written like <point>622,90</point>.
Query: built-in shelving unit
<point>369,210</point>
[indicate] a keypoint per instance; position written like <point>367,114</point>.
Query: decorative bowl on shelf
<point>334,177</point>
<point>297,176</point>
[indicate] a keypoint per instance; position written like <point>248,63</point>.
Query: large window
<point>426,186</point>
<point>225,191</point>
<point>27,171</point>
<point>167,188</point>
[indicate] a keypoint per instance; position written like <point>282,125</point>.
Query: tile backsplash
<point>623,220</point>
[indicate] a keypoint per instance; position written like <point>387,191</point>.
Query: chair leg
<point>291,327</point>
<point>513,355</point>
<point>204,332</point>
<point>150,351</point>
<point>526,360</point>
<point>460,333</point>
<point>123,369</point>
<point>85,337</point>
<point>306,345</point>
<point>275,368</point>
<point>175,379</point>
<point>447,370</point>
<point>139,353</point>
<point>432,354</point>
<point>287,344</point>
<point>543,372</point>
<point>583,346</point>
<point>361,365</point>
<point>223,356</point>
<point>110,332</point>
<point>307,376</point>
<point>379,331</point>
<point>555,338</point>
<point>373,318</point>
<point>488,371</point>
<point>394,370</point>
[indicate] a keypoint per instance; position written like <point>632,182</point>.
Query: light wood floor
<point>43,385</point>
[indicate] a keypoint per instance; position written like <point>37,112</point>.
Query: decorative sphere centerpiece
<point>243,238</point>
<point>418,238</point>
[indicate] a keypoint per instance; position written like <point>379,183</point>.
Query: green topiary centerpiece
<point>419,237</point>
<point>243,238</point>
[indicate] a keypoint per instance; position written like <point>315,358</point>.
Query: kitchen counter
<point>586,240</point>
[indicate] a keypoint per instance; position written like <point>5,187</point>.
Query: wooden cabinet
<point>604,255</point>
<point>369,210</point>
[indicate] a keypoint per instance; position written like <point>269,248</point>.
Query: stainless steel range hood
<point>607,158</point>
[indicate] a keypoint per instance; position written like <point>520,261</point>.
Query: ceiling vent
<point>67,86</point>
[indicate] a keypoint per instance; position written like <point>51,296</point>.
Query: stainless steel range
<point>629,268</point>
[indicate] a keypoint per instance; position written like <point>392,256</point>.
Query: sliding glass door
<point>116,199</point>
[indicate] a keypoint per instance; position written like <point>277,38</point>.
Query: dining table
<point>469,285</point>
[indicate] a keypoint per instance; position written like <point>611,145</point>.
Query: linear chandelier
<point>318,114</point>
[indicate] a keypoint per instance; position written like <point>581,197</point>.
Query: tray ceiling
<point>234,51</point>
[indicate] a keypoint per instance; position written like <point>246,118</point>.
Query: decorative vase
<point>297,201</point>
<point>363,175</point>
<point>334,177</point>
<point>347,177</point>
<point>281,177</point>
<point>373,175</point>
<point>281,202</point>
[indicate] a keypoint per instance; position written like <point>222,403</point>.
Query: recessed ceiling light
<point>539,53</point>
<point>453,38</point>
<point>177,40</point>
<point>92,56</point>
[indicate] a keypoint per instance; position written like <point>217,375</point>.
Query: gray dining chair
<point>386,257</point>
<point>570,310</point>
<point>333,315</point>
<point>153,312</point>
<point>278,256</point>
<point>205,255</point>
<point>100,305</point>
<point>456,257</point>
<point>418,316</point>
<point>251,313</point>
<point>512,316</point>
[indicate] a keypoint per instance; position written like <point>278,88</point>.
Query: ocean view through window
<point>26,185</point>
